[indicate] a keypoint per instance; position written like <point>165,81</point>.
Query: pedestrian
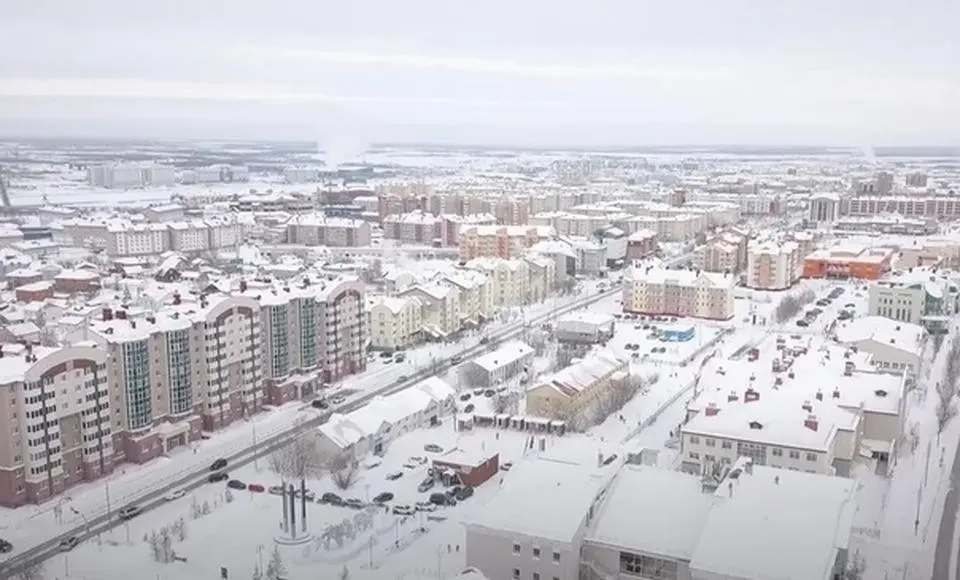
<point>458,547</point>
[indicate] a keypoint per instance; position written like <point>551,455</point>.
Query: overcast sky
<point>531,72</point>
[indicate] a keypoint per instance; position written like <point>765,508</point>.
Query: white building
<point>586,327</point>
<point>895,346</point>
<point>130,176</point>
<point>494,368</point>
<point>371,428</point>
<point>913,295</point>
<point>773,266</point>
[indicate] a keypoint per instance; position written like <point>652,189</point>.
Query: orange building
<point>861,263</point>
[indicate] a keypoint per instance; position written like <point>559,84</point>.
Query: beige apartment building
<point>496,241</point>
<point>441,315</point>
<point>121,238</point>
<point>724,253</point>
<point>319,230</point>
<point>657,291</point>
<point>476,294</point>
<point>395,322</point>
<point>510,280</point>
<point>58,421</point>
<point>773,266</point>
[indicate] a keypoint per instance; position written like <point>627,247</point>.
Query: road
<point>948,524</point>
<point>99,524</point>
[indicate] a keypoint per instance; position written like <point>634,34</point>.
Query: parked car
<point>175,494</point>
<point>465,397</point>
<point>218,464</point>
<point>426,506</point>
<point>455,360</point>
<point>236,484</point>
<point>69,543</point>
<point>394,475</point>
<point>403,510</point>
<point>337,399</point>
<point>426,485</point>
<point>803,323</point>
<point>464,493</point>
<point>353,503</point>
<point>275,490</point>
<point>256,488</point>
<point>218,476</point>
<point>5,547</point>
<point>331,498</point>
<point>470,408</point>
<point>383,497</point>
<point>441,498</point>
<point>505,466</point>
<point>129,512</point>
<point>308,494</point>
<point>320,404</point>
<point>433,448</point>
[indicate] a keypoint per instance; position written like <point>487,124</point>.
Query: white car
<point>403,510</point>
<point>175,494</point>
<point>426,506</point>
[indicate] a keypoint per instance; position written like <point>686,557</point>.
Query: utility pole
<point>255,462</point>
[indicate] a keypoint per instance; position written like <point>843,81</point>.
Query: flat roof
<point>653,511</point>
<point>754,531</point>
<point>545,498</point>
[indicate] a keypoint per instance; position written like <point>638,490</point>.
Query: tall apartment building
<point>496,241</point>
<point>313,334</point>
<point>122,238</point>
<point>659,292</point>
<point>773,266</point>
<point>457,204</point>
<point>319,230</point>
<point>58,420</point>
<point>130,176</point>
<point>416,227</point>
<point>512,212</point>
<point>906,206</point>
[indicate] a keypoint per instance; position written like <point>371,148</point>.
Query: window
<point>694,440</point>
<point>794,455</point>
<point>516,548</point>
<point>694,455</point>
<point>811,456</point>
<point>536,552</point>
<point>726,445</point>
<point>711,442</point>
<point>777,452</point>
<point>536,576</point>
<point>556,557</point>
<point>516,572</point>
<point>709,458</point>
<point>647,567</point>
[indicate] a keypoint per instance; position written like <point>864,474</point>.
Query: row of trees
<point>791,305</point>
<point>948,387</point>
<point>611,401</point>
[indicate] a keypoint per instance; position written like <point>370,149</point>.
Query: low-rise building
<point>318,230</point>
<point>641,244</point>
<point>914,295</point>
<point>661,292</point>
<point>440,308</point>
<point>585,327</point>
<point>492,241</point>
<point>509,360</point>
<point>572,394</point>
<point>894,346</point>
<point>848,262</point>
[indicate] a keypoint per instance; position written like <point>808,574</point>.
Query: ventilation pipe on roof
<point>819,395</point>
<point>812,422</point>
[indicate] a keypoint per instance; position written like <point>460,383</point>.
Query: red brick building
<point>35,291</point>
<point>472,468</point>
<point>75,281</point>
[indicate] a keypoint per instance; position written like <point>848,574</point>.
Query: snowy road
<point>365,388</point>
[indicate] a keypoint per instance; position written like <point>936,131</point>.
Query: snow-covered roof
<point>754,531</point>
<point>894,333</point>
<point>673,506</point>
<point>545,499</point>
<point>506,354</point>
<point>581,375</point>
<point>659,275</point>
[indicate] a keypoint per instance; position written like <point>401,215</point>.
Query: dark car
<point>465,397</point>
<point>236,484</point>
<point>802,323</point>
<point>331,498</point>
<point>218,476</point>
<point>218,464</point>
<point>464,493</point>
<point>320,404</point>
<point>5,547</point>
<point>129,512</point>
<point>383,497</point>
<point>354,503</point>
<point>442,499</point>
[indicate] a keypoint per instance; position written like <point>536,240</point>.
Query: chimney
<point>107,314</point>
<point>819,395</point>
<point>750,396</point>
<point>811,423</point>
<point>732,397</point>
<point>176,299</point>
<point>121,314</point>
<point>711,410</point>
<point>836,393</point>
<point>807,407</point>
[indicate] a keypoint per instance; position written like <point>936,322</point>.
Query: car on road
<point>218,476</point>
<point>337,399</point>
<point>218,464</point>
<point>5,547</point>
<point>403,510</point>
<point>394,475</point>
<point>130,512</point>
<point>383,497</point>
<point>320,404</point>
<point>330,498</point>
<point>175,495</point>
<point>236,484</point>
<point>68,544</point>
<point>354,503</point>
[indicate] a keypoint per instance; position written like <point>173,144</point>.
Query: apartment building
<point>937,207</point>
<point>130,176</point>
<point>415,227</point>
<point>641,245</point>
<point>888,224</point>
<point>220,173</point>
<point>858,262</point>
<point>571,394</point>
<point>543,277</point>
<point>319,230</point>
<point>496,241</point>
<point>120,238</point>
<point>458,204</point>
<point>726,252</point>
<point>441,315</point>
<point>394,322</point>
<point>512,212</point>
<point>773,266</point>
<point>476,292</point>
<point>59,423</point>
<point>824,209</point>
<point>510,280</point>
<point>314,333</point>
<point>658,291</point>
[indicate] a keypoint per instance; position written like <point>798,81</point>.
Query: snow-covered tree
<point>195,510</point>
<point>166,545</point>
<point>228,496</point>
<point>257,572</point>
<point>205,508</point>
<point>343,471</point>
<point>180,529</point>
<point>345,573</point>
<point>34,571</point>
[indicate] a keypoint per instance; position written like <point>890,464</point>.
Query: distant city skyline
<point>536,73</point>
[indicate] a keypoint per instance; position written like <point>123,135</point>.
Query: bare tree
<point>155,547</point>
<point>343,471</point>
<point>344,574</point>
<point>948,387</point>
<point>166,545</point>
<point>32,571</point>
<point>791,305</point>
<point>505,403</point>
<point>275,567</point>
<point>856,567</point>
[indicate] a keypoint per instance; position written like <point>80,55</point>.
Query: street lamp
<point>86,522</point>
